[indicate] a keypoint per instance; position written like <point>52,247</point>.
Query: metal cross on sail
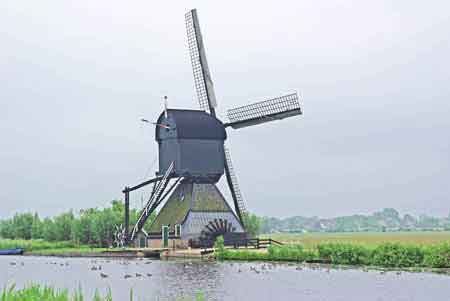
<point>207,98</point>
<point>202,78</point>
<point>239,203</point>
<point>264,111</point>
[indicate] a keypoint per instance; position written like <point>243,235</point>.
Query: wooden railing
<point>256,243</point>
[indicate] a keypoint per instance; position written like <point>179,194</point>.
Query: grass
<point>34,245</point>
<point>62,251</point>
<point>311,240</point>
<point>35,292</point>
<point>371,252</point>
<point>42,247</point>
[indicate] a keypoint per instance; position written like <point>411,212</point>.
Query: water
<point>182,280</point>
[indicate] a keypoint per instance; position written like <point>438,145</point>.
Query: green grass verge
<point>35,245</point>
<point>387,255</point>
<point>42,247</point>
<point>67,251</point>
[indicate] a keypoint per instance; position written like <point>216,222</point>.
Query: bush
<point>288,253</point>
<point>339,253</point>
<point>438,256</point>
<point>397,255</point>
<point>219,246</point>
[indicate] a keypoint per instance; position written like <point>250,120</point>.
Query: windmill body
<point>194,141</point>
<point>192,159</point>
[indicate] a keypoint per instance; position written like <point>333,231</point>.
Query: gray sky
<point>75,78</point>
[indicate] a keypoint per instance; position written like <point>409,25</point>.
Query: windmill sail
<point>236,194</point>
<point>202,78</point>
<point>264,111</point>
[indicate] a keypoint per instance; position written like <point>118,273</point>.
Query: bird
<point>127,276</point>
<point>103,275</point>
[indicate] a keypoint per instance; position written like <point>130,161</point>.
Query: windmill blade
<point>264,111</point>
<point>202,78</point>
<point>238,200</point>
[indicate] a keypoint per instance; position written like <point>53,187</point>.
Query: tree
<point>22,224</point>
<point>63,226</point>
<point>252,224</point>
<point>6,229</point>
<point>36,227</point>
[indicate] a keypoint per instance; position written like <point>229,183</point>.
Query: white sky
<point>75,78</point>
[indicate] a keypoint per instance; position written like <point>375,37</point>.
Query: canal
<point>184,280</point>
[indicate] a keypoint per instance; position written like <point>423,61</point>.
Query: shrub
<point>289,253</point>
<point>219,246</point>
<point>438,256</point>
<point>339,253</point>
<point>397,255</point>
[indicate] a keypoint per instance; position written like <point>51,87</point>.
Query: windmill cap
<point>189,124</point>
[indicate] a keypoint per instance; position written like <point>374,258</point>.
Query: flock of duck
<point>262,268</point>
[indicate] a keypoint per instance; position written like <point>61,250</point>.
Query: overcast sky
<point>76,77</point>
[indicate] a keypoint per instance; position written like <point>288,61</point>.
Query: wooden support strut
<point>127,215</point>
<point>127,191</point>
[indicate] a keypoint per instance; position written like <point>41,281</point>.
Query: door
<point>165,236</point>
<point>142,242</point>
<point>177,230</point>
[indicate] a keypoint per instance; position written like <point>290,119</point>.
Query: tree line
<point>93,226</point>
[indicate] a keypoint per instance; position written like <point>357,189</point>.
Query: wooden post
<point>127,215</point>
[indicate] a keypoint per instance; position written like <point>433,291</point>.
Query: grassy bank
<point>311,240</point>
<point>36,292</point>
<point>389,255</point>
<point>41,247</point>
<point>67,251</point>
<point>45,293</point>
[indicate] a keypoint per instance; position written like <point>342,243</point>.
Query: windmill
<point>193,157</point>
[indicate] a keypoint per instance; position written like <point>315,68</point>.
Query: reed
<point>36,292</point>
